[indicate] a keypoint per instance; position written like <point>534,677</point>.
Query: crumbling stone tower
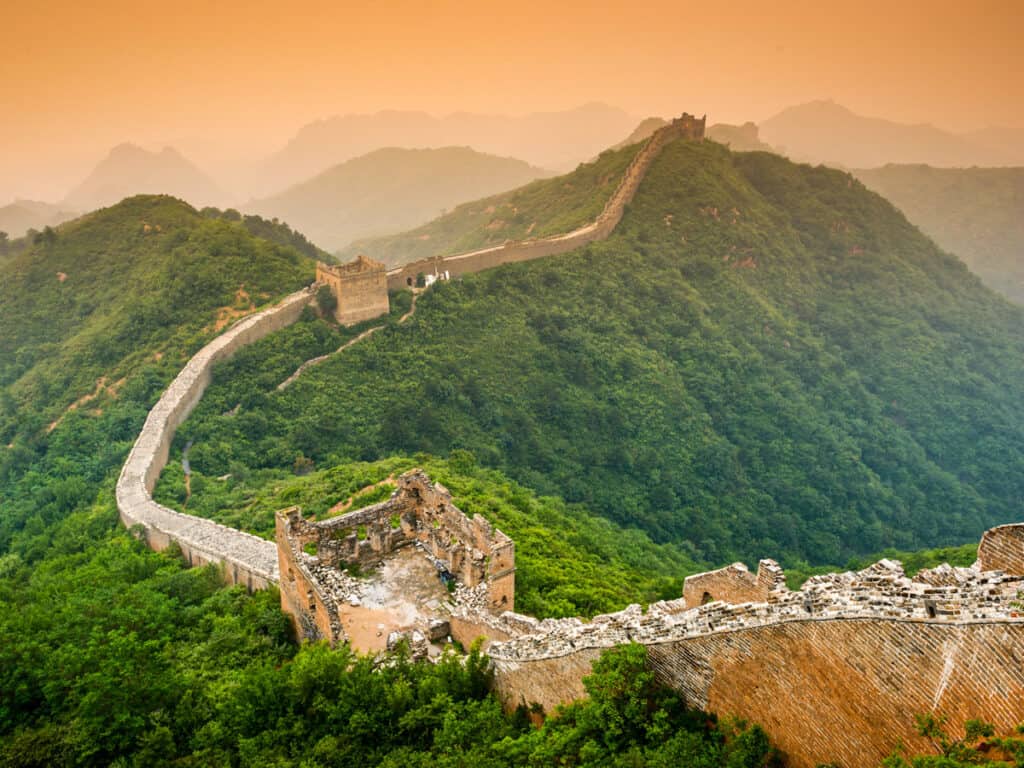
<point>360,288</point>
<point>420,513</point>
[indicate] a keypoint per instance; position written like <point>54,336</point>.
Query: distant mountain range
<point>976,213</point>
<point>131,170</point>
<point>556,140</point>
<point>390,190</point>
<point>826,132</point>
<point>22,215</point>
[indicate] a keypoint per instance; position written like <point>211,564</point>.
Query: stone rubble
<point>943,594</point>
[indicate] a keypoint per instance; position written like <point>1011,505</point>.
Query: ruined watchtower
<point>360,288</point>
<point>315,559</point>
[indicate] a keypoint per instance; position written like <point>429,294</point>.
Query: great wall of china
<point>834,671</point>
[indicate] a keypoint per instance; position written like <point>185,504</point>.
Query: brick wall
<point>833,690</point>
<point>246,559</point>
<point>1002,549</point>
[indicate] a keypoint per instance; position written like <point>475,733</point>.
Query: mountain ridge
<point>823,131</point>
<point>741,294</point>
<point>391,189</point>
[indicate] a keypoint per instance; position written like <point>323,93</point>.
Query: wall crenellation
<point>879,591</point>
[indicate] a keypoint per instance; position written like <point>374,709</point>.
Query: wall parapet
<point>684,127</point>
<point>247,559</point>
<point>944,594</point>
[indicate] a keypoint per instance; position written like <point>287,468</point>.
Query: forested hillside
<point>765,359</point>
<point>542,208</point>
<point>127,290</point>
<point>976,213</point>
<point>114,655</point>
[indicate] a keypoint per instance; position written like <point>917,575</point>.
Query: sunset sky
<point>230,82</point>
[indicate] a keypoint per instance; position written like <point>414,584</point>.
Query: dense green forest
<point>545,207</point>
<point>114,655</point>
<point>976,213</point>
<point>765,359</point>
<point>111,654</point>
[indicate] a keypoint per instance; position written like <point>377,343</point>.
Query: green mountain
<point>976,213</point>
<point>114,655</point>
<point>121,293</point>
<point>765,359</point>
<point>545,207</point>
<point>755,331</point>
<point>390,190</point>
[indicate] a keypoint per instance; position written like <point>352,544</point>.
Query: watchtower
<point>360,288</point>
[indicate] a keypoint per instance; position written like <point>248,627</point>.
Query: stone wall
<point>1002,549</point>
<point>684,127</point>
<point>314,613</point>
<point>246,559</point>
<point>734,584</point>
<point>834,672</point>
<point>834,690</point>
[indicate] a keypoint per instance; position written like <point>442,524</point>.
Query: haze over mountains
<point>976,213</point>
<point>22,215</point>
<point>556,140</point>
<point>826,132</point>
<point>391,189</point>
<point>131,170</point>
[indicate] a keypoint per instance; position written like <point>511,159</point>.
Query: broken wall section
<point>314,554</point>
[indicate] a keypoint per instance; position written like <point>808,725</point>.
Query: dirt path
<point>368,332</point>
<point>342,506</point>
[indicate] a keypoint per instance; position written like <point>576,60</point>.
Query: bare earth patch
<point>403,594</point>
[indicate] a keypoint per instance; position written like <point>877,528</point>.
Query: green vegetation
<point>269,229</point>
<point>764,360</point>
<point>972,212</point>
<point>569,562</point>
<point>114,655</point>
<point>805,376</point>
<point>132,289</point>
<point>545,207</point>
<point>978,747</point>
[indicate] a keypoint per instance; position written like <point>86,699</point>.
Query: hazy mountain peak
<point>129,169</point>
<point>824,131</point>
<point>390,189</point>
<point>558,140</point>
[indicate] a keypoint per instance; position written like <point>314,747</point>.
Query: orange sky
<point>228,82</point>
